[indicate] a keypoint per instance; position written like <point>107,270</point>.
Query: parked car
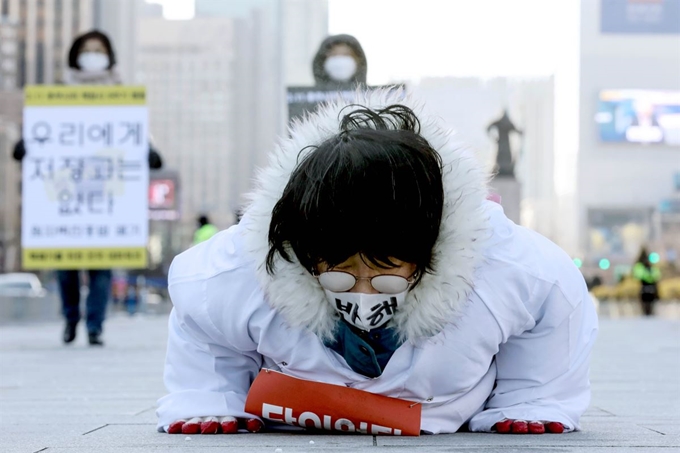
<point>21,284</point>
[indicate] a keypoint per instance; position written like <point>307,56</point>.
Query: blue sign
<point>640,16</point>
<point>670,206</point>
<point>639,116</point>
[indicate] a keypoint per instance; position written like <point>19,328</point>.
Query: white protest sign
<point>85,177</point>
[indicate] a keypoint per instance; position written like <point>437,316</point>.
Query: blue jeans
<point>100,288</point>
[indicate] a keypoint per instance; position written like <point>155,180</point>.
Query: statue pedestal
<point>510,191</point>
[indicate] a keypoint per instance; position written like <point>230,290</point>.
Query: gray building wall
<point>621,176</point>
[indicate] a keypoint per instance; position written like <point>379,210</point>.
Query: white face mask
<point>366,311</point>
<point>93,61</point>
<point>340,67</point>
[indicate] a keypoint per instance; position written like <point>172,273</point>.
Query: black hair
<point>203,220</point>
<point>644,257</point>
<point>374,189</point>
<point>78,44</point>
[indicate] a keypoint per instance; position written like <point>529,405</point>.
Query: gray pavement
<point>56,398</point>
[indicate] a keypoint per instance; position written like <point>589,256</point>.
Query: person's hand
<point>508,426</point>
<point>214,425</point>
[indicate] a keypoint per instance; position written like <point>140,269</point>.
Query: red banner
<point>298,402</point>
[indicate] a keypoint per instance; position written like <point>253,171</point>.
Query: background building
<point>469,105</point>
<point>10,189</point>
<point>599,199</point>
<point>216,85</point>
<point>305,24</point>
<point>622,187</point>
<point>118,19</point>
<point>9,53</point>
<point>188,69</point>
<point>35,36</point>
<point>45,30</point>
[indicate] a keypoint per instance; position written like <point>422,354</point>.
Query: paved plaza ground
<point>55,398</point>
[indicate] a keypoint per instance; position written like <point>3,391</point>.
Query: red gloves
<point>214,425</point>
<point>509,426</point>
<point>231,425</point>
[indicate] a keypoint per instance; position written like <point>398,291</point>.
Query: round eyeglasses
<point>340,282</point>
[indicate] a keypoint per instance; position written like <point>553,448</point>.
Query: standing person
<point>339,69</point>
<point>370,258</point>
<point>91,61</point>
<point>340,63</point>
<point>648,275</point>
<point>205,230</point>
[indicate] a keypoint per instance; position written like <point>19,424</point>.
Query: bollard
<point>142,293</point>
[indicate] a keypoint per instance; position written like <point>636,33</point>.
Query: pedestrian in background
<point>340,62</point>
<point>205,230</point>
<point>91,61</point>
<point>648,275</point>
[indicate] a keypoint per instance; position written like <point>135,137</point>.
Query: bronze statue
<point>505,165</point>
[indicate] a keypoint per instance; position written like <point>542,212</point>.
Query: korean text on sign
<point>85,177</point>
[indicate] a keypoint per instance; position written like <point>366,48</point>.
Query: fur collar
<point>436,301</point>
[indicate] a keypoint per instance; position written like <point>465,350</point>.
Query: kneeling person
<point>371,258</point>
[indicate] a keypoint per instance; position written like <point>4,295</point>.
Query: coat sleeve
<point>19,151</point>
<point>205,374</point>
<point>543,367</point>
<point>155,161</point>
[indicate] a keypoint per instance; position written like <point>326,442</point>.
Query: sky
<point>409,39</point>
<point>177,9</point>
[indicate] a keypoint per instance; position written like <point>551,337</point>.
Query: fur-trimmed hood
<point>432,304</point>
<point>321,78</point>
